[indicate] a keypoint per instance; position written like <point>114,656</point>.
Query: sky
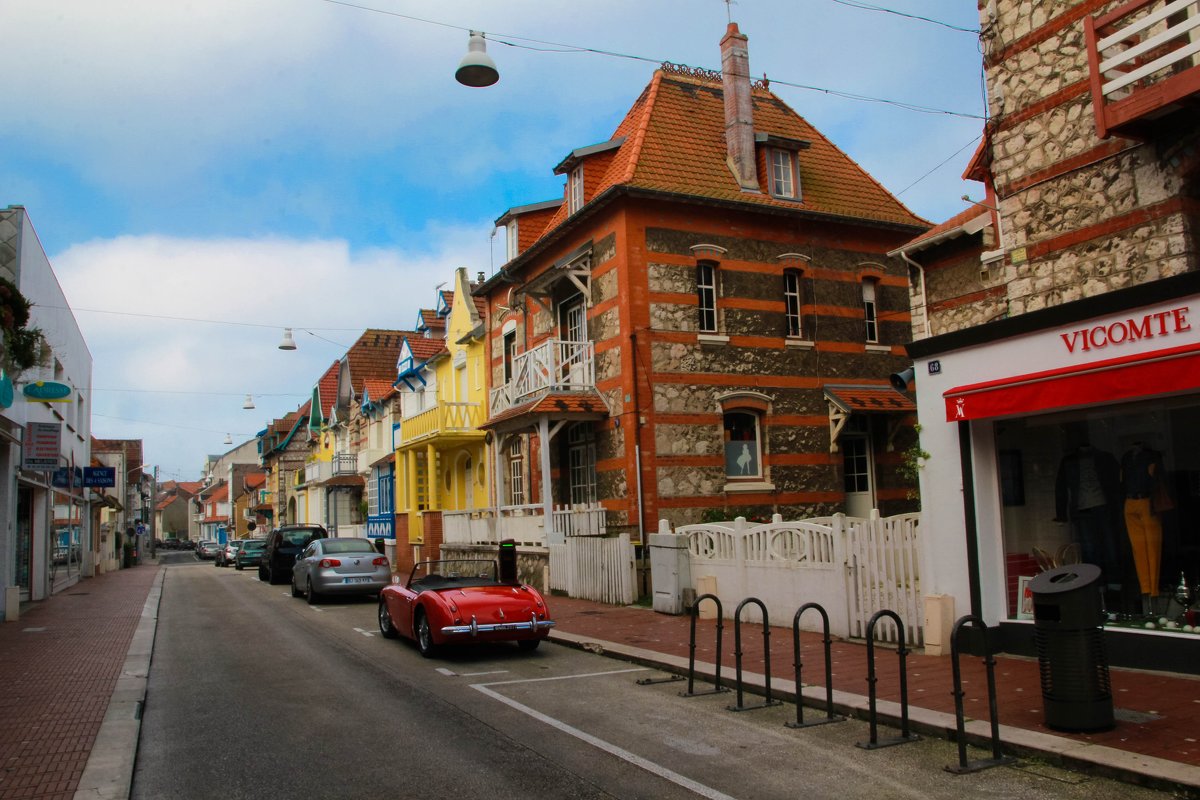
<point>205,174</point>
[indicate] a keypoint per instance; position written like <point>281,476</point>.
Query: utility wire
<point>511,40</point>
<point>918,17</point>
<point>939,166</point>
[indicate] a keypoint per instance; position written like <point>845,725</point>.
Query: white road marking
<point>449,673</point>
<point>619,752</point>
<point>492,672</point>
<point>314,608</point>
<point>368,634</point>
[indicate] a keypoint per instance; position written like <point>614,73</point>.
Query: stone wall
<point>531,561</point>
<point>1054,176</point>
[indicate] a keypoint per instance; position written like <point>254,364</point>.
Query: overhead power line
<point>917,17</point>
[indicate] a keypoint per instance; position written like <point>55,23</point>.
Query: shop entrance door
<point>25,540</point>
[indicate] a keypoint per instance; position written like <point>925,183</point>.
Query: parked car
<point>250,553</point>
<point>462,601</point>
<point>226,555</point>
<point>339,566</point>
<point>207,549</point>
<point>283,545</point>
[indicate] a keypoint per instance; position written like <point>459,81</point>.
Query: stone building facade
<point>724,283</point>
<point>1055,353</point>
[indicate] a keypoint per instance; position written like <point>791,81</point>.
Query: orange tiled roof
<point>870,398</point>
<point>431,320</point>
<point>327,388</point>
<point>424,349</point>
<point>378,390</point>
<point>373,356</point>
<point>345,480</point>
<point>255,480</point>
<point>947,230</point>
<point>561,404</point>
<point>675,143</point>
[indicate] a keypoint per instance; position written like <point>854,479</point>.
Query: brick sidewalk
<point>59,664</point>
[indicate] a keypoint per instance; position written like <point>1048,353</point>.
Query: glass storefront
<point>1117,486</point>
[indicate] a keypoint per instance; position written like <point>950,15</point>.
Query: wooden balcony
<point>553,366</point>
<point>1143,62</point>
<point>442,420</point>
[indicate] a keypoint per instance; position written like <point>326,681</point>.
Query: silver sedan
<point>339,566</point>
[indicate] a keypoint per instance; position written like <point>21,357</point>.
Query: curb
<point>109,771</point>
<point>1093,759</point>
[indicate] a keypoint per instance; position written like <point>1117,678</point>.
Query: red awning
<point>1161,372</point>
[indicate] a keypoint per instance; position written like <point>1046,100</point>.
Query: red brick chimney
<point>739,113</point>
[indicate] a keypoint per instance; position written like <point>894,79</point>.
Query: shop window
<point>743,453</point>
<point>706,296</point>
<point>1114,487</point>
<point>791,298</point>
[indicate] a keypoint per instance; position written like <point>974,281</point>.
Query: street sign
<point>41,446</point>
<point>98,477</point>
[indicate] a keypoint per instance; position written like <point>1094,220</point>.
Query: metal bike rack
<point>830,716</point>
<point>904,736</point>
<point>691,677</point>
<point>737,652</point>
<point>998,759</point>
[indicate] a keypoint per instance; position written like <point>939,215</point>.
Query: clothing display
<point>1087,495</point>
<point>1141,473</point>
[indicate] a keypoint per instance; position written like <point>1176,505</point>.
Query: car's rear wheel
<point>311,593</point>
<point>237,565</point>
<point>528,645</point>
<point>296,589</point>
<point>262,572</point>
<point>424,635</point>
<point>386,629</point>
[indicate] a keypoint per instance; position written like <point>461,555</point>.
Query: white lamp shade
<point>288,342</point>
<point>477,68</point>
<point>249,402</point>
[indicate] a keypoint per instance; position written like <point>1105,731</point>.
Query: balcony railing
<point>523,524</point>
<point>1143,59</point>
<point>552,366</point>
<point>345,464</point>
<point>442,419</point>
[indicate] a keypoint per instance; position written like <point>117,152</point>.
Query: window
<point>516,474</point>
<point>575,190</point>
<point>512,248</point>
<point>743,456</point>
<point>706,295</point>
<point>791,297</point>
<point>581,456</point>
<point>510,352</point>
<point>784,178</point>
<point>868,293</point>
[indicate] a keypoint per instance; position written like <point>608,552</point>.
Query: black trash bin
<point>1068,618</point>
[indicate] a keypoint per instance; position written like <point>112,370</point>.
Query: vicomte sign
<point>1149,326</point>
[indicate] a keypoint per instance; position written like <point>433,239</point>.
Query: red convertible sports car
<point>462,601</point>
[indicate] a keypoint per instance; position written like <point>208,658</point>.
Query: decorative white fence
<point>853,567</point>
<point>599,568</point>
<point>523,524</point>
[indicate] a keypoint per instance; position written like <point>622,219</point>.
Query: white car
<point>208,549</point>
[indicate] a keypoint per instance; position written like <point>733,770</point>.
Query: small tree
<point>20,345</point>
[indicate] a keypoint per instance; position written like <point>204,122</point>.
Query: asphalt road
<point>255,694</point>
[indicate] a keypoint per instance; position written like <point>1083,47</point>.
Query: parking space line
<point>619,752</point>
<point>364,632</point>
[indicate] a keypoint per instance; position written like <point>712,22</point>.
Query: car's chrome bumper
<point>474,628</point>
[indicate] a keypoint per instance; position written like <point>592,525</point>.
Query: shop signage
<point>42,444</point>
<point>47,392</point>
<point>1125,331</point>
<point>98,477</point>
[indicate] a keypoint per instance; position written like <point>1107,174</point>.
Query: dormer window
<point>575,190</point>
<point>784,178</point>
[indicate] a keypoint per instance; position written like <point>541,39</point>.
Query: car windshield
<point>339,546</point>
<point>300,536</point>
<point>454,573</point>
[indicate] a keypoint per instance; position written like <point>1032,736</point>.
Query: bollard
<point>691,678</point>
<point>998,758</point>
<point>904,736</point>
<point>830,716</point>
<point>737,653</point>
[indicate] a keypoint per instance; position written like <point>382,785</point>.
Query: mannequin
<point>1141,471</point>
<point>1087,495</point>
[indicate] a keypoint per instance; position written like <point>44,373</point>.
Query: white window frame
<point>512,247</point>
<point>784,174</point>
<point>870,313</point>
<point>516,474</point>
<point>575,190</point>
<point>581,458</point>
<point>792,296</point>
<point>706,297</point>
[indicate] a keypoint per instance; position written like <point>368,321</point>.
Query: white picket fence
<point>599,568</point>
<point>852,566</point>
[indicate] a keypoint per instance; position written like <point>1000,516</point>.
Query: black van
<point>283,545</point>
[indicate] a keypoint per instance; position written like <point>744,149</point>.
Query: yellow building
<point>441,455</point>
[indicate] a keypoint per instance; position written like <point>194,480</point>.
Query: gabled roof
<point>423,349</point>
<point>864,399</point>
<point>428,319</point>
<point>672,141</point>
<point>377,390</point>
<point>326,389</point>
<point>964,223</point>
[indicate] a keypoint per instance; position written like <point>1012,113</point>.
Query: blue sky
<point>204,174</point>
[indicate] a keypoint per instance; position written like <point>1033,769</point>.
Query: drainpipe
<point>924,296</point>
<point>637,439</point>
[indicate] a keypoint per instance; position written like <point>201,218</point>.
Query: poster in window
<point>741,459</point>
<point>1024,597</point>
